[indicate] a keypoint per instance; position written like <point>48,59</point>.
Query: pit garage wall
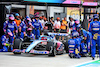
<point>2,18</point>
<point>75,13</point>
<point>50,11</point>
<point>55,10</point>
<point>41,8</point>
<point>21,8</point>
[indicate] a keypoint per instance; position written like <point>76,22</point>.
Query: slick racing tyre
<point>52,51</point>
<point>66,46</point>
<point>49,44</point>
<point>17,44</point>
<point>51,48</point>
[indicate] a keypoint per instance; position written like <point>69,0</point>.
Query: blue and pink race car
<point>47,44</point>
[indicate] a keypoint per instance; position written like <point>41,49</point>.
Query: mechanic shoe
<point>93,58</point>
<point>70,56</point>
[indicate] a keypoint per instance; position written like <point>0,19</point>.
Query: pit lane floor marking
<point>11,54</point>
<point>92,63</point>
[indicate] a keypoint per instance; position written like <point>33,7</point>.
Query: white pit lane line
<point>86,62</point>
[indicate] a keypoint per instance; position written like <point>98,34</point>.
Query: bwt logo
<point>73,1</point>
<point>91,4</point>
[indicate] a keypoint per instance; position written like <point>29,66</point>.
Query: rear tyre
<point>17,44</point>
<point>51,48</point>
<point>66,46</point>
<point>52,52</point>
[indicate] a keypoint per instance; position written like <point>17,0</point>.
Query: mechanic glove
<point>76,51</point>
<point>95,36</point>
<point>7,44</point>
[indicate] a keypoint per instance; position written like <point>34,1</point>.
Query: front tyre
<point>52,51</point>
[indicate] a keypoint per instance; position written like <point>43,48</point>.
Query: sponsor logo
<point>40,52</point>
<point>95,28</point>
<point>72,42</point>
<point>37,24</point>
<point>71,46</point>
<point>84,50</point>
<point>74,2</point>
<point>95,24</point>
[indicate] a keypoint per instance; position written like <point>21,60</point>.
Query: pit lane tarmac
<point>8,59</point>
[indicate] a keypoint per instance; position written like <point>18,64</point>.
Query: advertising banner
<point>48,1</point>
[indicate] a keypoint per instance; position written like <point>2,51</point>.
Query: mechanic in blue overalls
<point>79,42</point>
<point>28,22</point>
<point>23,29</point>
<point>73,46</point>
<point>37,25</point>
<point>83,36</point>
<point>94,29</point>
<point>11,25</point>
<point>88,41</point>
<point>5,41</point>
<point>30,34</point>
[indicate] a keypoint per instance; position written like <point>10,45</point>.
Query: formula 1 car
<point>47,44</point>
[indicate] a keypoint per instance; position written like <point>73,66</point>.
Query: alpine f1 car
<point>47,44</point>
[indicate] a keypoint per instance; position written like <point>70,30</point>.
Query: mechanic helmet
<point>9,32</point>
<point>75,34</point>
<point>16,14</point>
<point>11,17</point>
<point>70,17</point>
<point>40,17</point>
<point>58,18</point>
<point>29,31</point>
<point>45,19</point>
<point>28,18</point>
<point>95,16</point>
<point>76,21</point>
<point>37,16</point>
<point>37,13</point>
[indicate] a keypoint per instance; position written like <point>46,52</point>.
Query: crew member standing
<point>95,31</point>
<point>37,25</point>
<point>11,25</point>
